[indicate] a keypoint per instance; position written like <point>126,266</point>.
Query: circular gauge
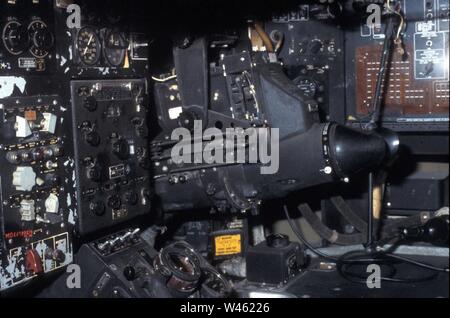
<point>15,37</point>
<point>115,48</point>
<point>88,46</point>
<point>307,86</point>
<point>41,39</point>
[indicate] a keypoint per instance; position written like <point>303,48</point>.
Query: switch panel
<point>112,163</point>
<point>37,208</point>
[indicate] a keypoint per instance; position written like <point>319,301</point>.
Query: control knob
<point>97,208</point>
<point>90,103</point>
<point>121,149</point>
<point>92,138</point>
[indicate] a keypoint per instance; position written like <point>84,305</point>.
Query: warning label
<point>227,244</point>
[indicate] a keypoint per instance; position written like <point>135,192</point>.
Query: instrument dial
<point>115,48</point>
<point>307,86</point>
<point>88,46</point>
<point>41,39</point>
<point>15,37</point>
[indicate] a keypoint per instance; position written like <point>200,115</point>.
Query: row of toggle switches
<point>118,241</point>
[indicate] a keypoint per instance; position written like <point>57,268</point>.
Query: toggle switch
<point>51,165</point>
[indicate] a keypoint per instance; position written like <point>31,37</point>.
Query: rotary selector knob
<point>316,46</point>
<point>38,154</point>
<point>24,178</point>
<point>121,149</point>
<point>94,174</point>
<point>129,273</point>
<point>97,208</point>
<point>90,103</point>
<point>131,197</point>
<point>114,202</point>
<point>92,138</point>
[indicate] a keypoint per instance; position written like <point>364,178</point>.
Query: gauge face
<point>41,39</point>
<point>88,46</point>
<point>115,48</point>
<point>15,37</point>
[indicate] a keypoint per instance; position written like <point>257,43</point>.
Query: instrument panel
<point>76,102</point>
<point>48,195</point>
<point>37,192</point>
<point>112,164</point>
<point>417,88</point>
<point>28,38</point>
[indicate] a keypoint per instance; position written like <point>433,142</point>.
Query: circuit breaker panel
<point>37,188</point>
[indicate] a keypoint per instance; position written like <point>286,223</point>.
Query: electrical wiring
<point>367,257</point>
<point>264,37</point>
<point>397,39</point>
<point>298,233</point>
<point>163,80</point>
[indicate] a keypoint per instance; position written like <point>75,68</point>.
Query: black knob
<point>94,173</point>
<point>58,151</point>
<point>38,154</point>
<point>52,180</point>
<point>121,149</point>
<point>316,46</point>
<point>129,273</point>
<point>114,202</point>
<point>187,118</point>
<point>55,254</point>
<point>277,240</point>
<point>131,197</point>
<point>436,231</point>
<point>97,208</point>
<point>182,179</point>
<point>26,156</point>
<point>90,103</point>
<point>92,138</point>
<point>43,39</point>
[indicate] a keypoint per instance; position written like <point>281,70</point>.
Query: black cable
<point>298,233</point>
<point>362,258</point>
<point>346,211</point>
<point>328,234</point>
<point>385,59</point>
<point>417,263</point>
<point>366,258</point>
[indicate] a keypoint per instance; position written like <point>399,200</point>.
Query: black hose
<point>347,212</point>
<point>328,234</point>
<point>298,233</point>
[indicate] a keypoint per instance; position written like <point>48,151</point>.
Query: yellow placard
<point>227,244</point>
